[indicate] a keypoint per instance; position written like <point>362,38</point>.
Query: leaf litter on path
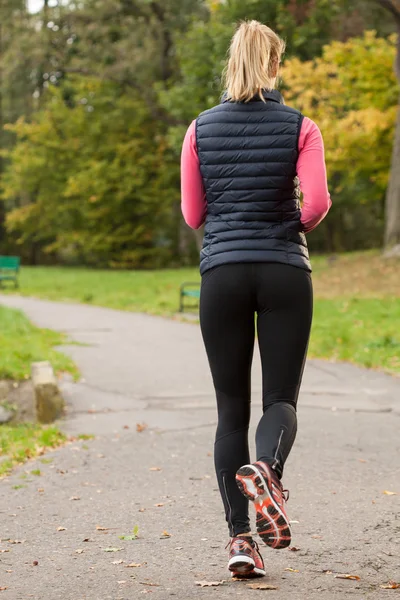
<point>133,536</point>
<point>388,493</point>
<point>165,535</point>
<point>347,576</point>
<point>112,549</point>
<point>209,583</point>
<point>392,585</point>
<point>261,586</point>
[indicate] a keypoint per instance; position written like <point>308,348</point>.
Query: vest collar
<point>272,95</point>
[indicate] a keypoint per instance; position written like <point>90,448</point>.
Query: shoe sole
<point>272,525</point>
<point>241,564</point>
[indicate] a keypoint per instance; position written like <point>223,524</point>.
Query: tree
<point>351,92</point>
<point>98,171</point>
<point>392,221</point>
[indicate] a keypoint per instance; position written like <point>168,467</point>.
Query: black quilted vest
<point>248,154</point>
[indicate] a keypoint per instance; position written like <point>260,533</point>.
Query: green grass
<point>21,442</point>
<point>357,301</point>
<point>363,331</point>
<point>21,343</point>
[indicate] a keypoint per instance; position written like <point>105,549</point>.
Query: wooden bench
<point>188,290</point>
<point>9,269</point>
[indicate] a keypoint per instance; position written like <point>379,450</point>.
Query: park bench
<point>188,290</point>
<point>9,268</point>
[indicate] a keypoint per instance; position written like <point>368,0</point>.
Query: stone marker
<point>49,402</point>
<point>5,415</point>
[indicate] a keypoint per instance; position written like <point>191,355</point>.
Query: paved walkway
<point>140,369</point>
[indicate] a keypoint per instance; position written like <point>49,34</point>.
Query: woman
<point>243,165</point>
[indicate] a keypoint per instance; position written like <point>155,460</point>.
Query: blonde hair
<point>254,56</point>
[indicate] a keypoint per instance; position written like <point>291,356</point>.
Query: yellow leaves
<point>346,576</point>
<point>352,94</point>
<point>388,493</point>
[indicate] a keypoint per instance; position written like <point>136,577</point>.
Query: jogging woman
<point>244,163</point>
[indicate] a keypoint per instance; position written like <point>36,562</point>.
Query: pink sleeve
<point>311,171</point>
<point>193,195</point>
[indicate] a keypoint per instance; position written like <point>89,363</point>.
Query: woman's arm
<point>311,171</point>
<point>194,204</point>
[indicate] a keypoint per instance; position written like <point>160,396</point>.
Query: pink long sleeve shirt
<point>311,171</point>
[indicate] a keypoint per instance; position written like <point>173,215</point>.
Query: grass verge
<point>357,301</point>
<point>18,443</point>
<point>21,343</point>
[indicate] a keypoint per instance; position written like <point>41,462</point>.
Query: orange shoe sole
<point>272,524</point>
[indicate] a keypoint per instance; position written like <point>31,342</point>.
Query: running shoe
<point>259,483</point>
<point>245,559</point>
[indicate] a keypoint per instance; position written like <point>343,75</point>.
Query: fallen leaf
<point>165,534</point>
<point>40,490</point>
<point>392,585</point>
<point>151,584</point>
<point>79,551</point>
<point>100,528</point>
<point>112,549</point>
<point>292,570</point>
<point>327,572</point>
<point>345,576</point>
<point>294,549</point>
<point>317,537</point>
<point>5,550</point>
<point>179,548</point>
<point>16,541</point>
<point>159,504</point>
<point>155,469</point>
<point>126,427</point>
<point>142,509</point>
<point>86,540</point>
<point>210,583</point>
<point>294,522</point>
<point>121,581</point>
<point>117,562</point>
<point>3,588</point>
<point>35,563</point>
<point>9,571</point>
<point>261,586</point>
<point>75,498</point>
<point>134,565</point>
<point>61,529</point>
<point>141,427</point>
<point>361,460</point>
<point>387,493</point>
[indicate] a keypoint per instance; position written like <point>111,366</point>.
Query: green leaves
<point>134,536</point>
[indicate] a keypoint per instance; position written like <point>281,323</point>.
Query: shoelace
<point>240,538</point>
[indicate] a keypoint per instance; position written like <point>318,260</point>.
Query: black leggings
<point>281,296</point>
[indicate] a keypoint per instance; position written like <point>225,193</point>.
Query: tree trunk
<point>392,212</point>
<point>392,217</point>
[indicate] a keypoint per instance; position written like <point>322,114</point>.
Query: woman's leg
<point>284,306</point>
<point>227,324</point>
